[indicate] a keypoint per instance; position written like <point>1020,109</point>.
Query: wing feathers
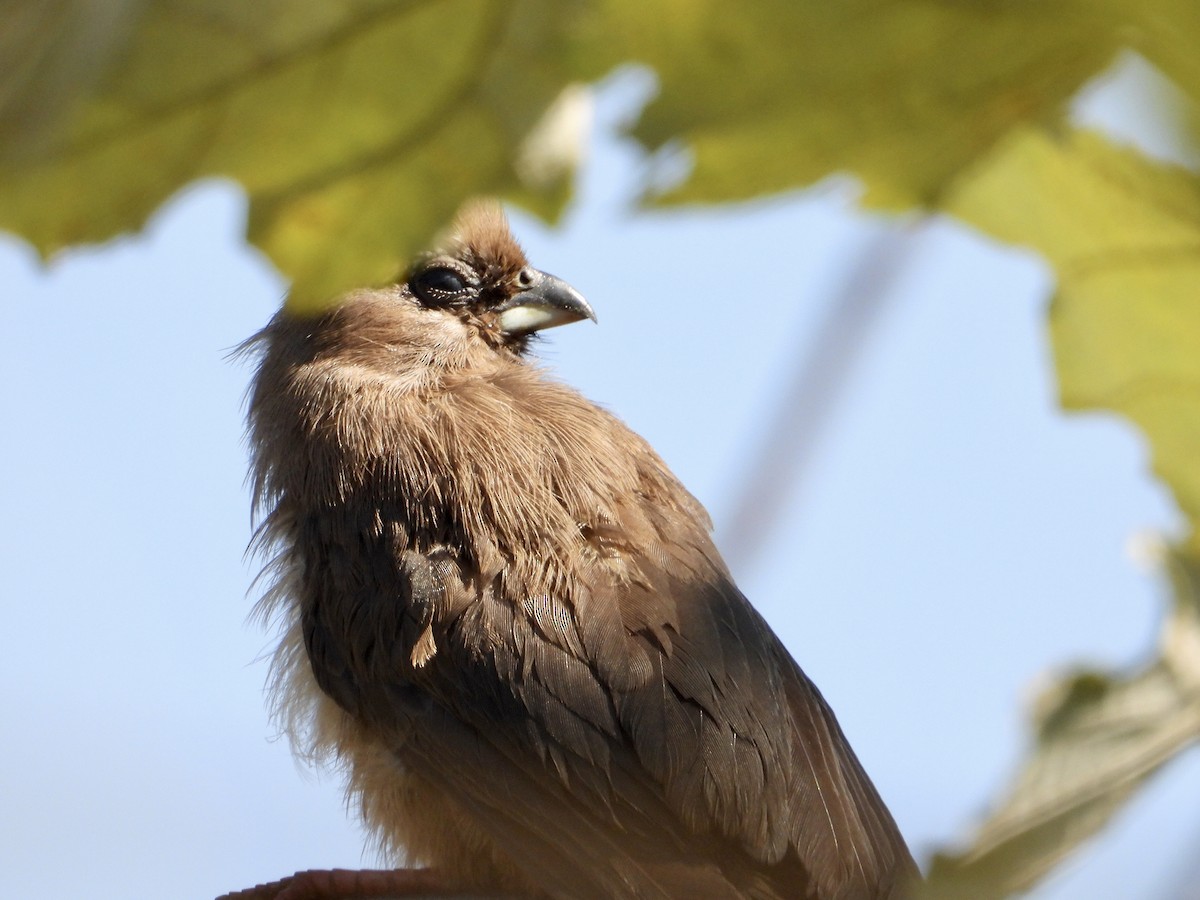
<point>724,744</point>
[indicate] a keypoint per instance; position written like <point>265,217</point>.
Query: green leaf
<point>51,53</point>
<point>357,128</point>
<point>1123,235</point>
<point>777,94</point>
<point>1098,737</point>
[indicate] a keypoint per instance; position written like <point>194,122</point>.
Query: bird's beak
<point>545,302</point>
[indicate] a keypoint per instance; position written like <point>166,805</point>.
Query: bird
<point>506,621</point>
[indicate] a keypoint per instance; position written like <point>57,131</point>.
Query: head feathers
<point>480,237</point>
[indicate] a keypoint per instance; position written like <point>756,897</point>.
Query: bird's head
<point>481,277</point>
<point>473,303</point>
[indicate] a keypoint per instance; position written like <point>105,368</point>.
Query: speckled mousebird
<point>507,619</point>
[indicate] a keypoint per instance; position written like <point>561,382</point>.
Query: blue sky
<point>953,537</point>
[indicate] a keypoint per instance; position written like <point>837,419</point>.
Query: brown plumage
<point>506,618</point>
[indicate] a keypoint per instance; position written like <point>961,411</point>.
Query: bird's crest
<point>480,237</point>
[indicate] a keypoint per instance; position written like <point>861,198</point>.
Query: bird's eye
<point>438,285</point>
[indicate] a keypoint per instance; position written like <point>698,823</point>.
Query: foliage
<point>357,127</point>
<point>1099,736</point>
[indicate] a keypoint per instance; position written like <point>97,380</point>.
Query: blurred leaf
<point>1098,737</point>
<point>1166,32</point>
<point>776,94</point>
<point>357,128</point>
<point>903,94</point>
<point>1123,234</point>
<point>50,54</point>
